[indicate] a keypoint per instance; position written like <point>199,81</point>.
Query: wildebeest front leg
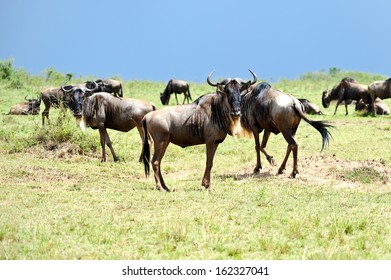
<point>211,148</point>
<point>265,138</point>
<point>105,139</point>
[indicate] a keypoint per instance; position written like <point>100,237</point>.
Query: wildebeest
<point>269,110</point>
<point>29,107</point>
<point>380,107</point>
<point>346,89</point>
<point>207,120</point>
<point>111,86</point>
<point>69,96</point>
<point>176,86</point>
<point>309,107</point>
<point>104,111</point>
<point>379,89</point>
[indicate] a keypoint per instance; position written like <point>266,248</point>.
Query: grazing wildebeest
<point>379,89</point>
<point>381,108</point>
<point>111,86</point>
<point>103,110</point>
<point>207,120</point>
<point>30,107</point>
<point>175,86</point>
<point>273,111</point>
<point>347,89</point>
<point>309,107</point>
<point>66,96</point>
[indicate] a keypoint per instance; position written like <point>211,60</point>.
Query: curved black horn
<point>208,79</point>
<point>69,90</point>
<point>96,86</point>
<point>25,98</point>
<point>254,76</point>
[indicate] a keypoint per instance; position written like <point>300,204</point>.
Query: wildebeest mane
<point>248,101</point>
<point>217,113</point>
<point>89,105</point>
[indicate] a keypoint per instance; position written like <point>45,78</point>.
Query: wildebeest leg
<point>160,148</point>
<point>292,146</point>
<point>346,109</point>
<point>372,98</point>
<point>105,139</point>
<point>257,149</point>
<point>141,132</point>
<point>265,138</point>
<point>176,98</point>
<point>336,107</point>
<point>211,148</point>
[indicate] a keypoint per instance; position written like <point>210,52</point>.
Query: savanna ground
<point>58,201</point>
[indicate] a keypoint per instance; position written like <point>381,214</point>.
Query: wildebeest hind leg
<point>292,146</point>
<point>160,148</point>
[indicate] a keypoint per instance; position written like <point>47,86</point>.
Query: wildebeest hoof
<point>271,161</point>
<point>281,171</point>
<point>293,174</point>
<point>256,170</point>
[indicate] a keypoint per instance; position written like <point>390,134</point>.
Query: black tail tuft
<point>146,149</point>
<point>322,126</point>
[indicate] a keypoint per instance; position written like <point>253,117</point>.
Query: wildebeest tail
<point>146,149</point>
<point>320,126</point>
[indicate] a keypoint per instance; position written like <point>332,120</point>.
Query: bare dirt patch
<point>331,171</point>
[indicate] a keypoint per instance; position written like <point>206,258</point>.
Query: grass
<point>58,201</point>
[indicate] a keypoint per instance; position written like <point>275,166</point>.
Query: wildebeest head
<point>325,99</point>
<point>75,95</point>
<point>164,98</point>
<point>232,88</point>
<point>33,105</point>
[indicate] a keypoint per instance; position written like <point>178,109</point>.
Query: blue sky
<point>160,40</point>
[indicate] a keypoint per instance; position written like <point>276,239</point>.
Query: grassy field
<point>58,201</point>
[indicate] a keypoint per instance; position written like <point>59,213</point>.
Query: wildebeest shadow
<point>247,175</point>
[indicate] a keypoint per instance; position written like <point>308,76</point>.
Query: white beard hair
<point>82,124</point>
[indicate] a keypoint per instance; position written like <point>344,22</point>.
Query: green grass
<point>58,201</point>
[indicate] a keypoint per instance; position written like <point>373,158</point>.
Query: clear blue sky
<point>160,40</point>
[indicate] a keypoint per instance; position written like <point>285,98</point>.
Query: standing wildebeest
<point>273,111</point>
<point>346,89</point>
<point>380,89</point>
<point>207,120</point>
<point>30,107</point>
<point>103,110</point>
<point>309,107</point>
<point>111,86</point>
<point>70,96</point>
<point>175,86</point>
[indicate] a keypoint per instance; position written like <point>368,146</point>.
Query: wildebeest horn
<point>25,98</point>
<point>208,80</point>
<point>254,76</point>
<point>69,90</point>
<point>96,86</point>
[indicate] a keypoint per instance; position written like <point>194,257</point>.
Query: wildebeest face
<point>164,98</point>
<point>325,102</point>
<point>232,89</point>
<point>77,101</point>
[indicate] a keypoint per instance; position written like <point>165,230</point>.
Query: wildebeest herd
<point>236,107</point>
